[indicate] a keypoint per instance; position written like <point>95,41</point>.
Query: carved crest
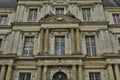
<point>59,19</point>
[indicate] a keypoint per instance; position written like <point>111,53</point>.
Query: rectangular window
<point>0,43</point>
<point>59,11</point>
<point>28,46</point>
<point>24,76</point>
<point>86,14</point>
<point>119,41</point>
<point>3,19</point>
<point>94,76</point>
<point>116,18</point>
<point>32,14</point>
<point>59,45</point>
<point>90,45</point>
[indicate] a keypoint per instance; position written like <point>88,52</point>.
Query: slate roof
<point>8,3</point>
<point>113,3</point>
<point>13,3</point>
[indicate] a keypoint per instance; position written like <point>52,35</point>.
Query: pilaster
<point>46,41</point>
<point>110,72</point>
<point>117,72</point>
<point>72,41</point>
<point>38,77</point>
<point>80,70</point>
<point>78,40</point>
<point>44,77</point>
<point>74,72</point>
<point>9,73</point>
<point>2,73</point>
<point>41,41</point>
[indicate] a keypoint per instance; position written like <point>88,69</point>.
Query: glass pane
<point>116,18</point>
<point>3,19</point>
<point>59,45</point>
<point>90,45</point>
<point>32,15</point>
<point>24,76</point>
<point>94,76</point>
<point>28,46</point>
<point>86,14</point>
<point>59,10</point>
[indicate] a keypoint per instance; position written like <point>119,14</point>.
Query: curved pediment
<point>59,18</point>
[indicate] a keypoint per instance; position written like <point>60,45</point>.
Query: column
<point>2,73</point>
<point>38,73</point>
<point>9,73</point>
<point>46,40</point>
<point>80,70</point>
<point>44,77</point>
<point>72,41</point>
<point>41,41</point>
<point>78,40</point>
<point>110,72</point>
<point>74,72</point>
<point>117,72</point>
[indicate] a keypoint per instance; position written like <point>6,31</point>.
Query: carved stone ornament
<point>59,1</point>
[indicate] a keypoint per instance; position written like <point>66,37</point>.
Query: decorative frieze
<point>60,62</point>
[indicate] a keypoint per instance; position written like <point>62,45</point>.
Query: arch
<point>60,76</point>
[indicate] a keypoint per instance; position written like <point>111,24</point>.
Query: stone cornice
<point>112,9</point>
<point>25,58</point>
<point>11,56</point>
<point>25,24</point>
<point>114,25</point>
<point>94,23</point>
<point>111,55</point>
<point>5,27</point>
<point>60,57</point>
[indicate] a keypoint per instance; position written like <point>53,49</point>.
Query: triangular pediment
<point>59,19</point>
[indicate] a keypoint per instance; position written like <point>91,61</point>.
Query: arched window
<point>60,76</point>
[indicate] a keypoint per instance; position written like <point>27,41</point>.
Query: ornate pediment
<point>59,18</point>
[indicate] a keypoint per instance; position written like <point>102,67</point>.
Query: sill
<point>25,57</point>
<point>114,25</point>
<point>5,26</point>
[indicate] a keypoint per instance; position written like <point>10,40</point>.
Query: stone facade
<point>60,39</point>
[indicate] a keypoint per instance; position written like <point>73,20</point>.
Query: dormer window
<point>59,10</point>
<point>86,13</point>
<point>32,14</point>
<point>3,19</point>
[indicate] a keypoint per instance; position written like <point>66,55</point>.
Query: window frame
<point>33,14</point>
<point>25,75</point>
<point>59,12</point>
<point>28,54</point>
<point>116,18</point>
<point>86,14</point>
<point>94,77</point>
<point>59,45</point>
<point>119,41</point>
<point>91,45</point>
<point>4,21</point>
